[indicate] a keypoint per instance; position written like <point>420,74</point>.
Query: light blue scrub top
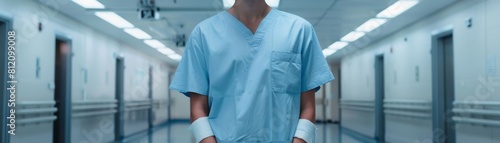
<point>253,81</point>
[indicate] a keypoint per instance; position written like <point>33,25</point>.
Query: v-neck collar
<point>252,39</point>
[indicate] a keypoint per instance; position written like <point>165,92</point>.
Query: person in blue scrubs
<point>251,73</point>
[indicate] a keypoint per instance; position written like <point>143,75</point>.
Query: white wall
<point>357,83</point>
<point>93,51</point>
<point>331,91</point>
<point>471,47</point>
<point>319,106</point>
<point>333,95</point>
<point>180,109</point>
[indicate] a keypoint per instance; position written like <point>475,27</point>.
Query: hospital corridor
<point>250,71</point>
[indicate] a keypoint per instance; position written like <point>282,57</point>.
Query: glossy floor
<point>178,133</point>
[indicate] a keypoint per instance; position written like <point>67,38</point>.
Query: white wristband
<point>201,129</point>
<point>306,130</point>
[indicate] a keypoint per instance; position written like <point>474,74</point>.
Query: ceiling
<point>332,19</point>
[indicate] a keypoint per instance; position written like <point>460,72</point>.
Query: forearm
<point>306,130</point>
<point>199,119</point>
<point>308,106</point>
<point>199,106</point>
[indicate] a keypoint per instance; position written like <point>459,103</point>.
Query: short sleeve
<point>315,70</point>
<point>192,72</point>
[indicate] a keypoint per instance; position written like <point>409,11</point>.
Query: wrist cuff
<point>306,130</point>
<point>201,129</point>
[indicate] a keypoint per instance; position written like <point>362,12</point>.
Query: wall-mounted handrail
<point>359,105</point>
<point>405,101</point>
<point>366,103</point>
<point>137,104</point>
<point>36,103</point>
<point>408,114</point>
<point>93,113</point>
<point>357,108</point>
<point>93,108</point>
<point>134,101</point>
<point>477,112</point>
<point>480,103</point>
<point>137,108</point>
<point>40,119</point>
<point>476,121</point>
<point>158,103</point>
<point>36,111</point>
<point>482,113</point>
<point>354,100</point>
<point>408,108</point>
<point>94,102</point>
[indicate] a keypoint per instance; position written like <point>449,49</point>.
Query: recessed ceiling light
<point>397,8</point>
<point>175,57</point>
<point>353,36</point>
<point>166,51</point>
<point>137,33</point>
<point>338,45</point>
<point>154,43</point>
<point>89,4</point>
<point>271,3</point>
<point>371,24</point>
<point>114,19</point>
<point>328,51</point>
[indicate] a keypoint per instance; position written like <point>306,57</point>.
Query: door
<point>150,96</point>
<point>62,91</point>
<point>4,135</point>
<point>443,88</point>
<point>379,99</point>
<point>119,117</point>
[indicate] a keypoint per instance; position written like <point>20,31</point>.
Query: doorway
<point>4,27</point>
<point>379,99</point>
<point>62,91</point>
<point>119,82</point>
<point>150,96</point>
<point>443,87</point>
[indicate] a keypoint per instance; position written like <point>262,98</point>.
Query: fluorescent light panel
<point>175,57</point>
<point>397,8</point>
<point>154,43</point>
<point>338,45</point>
<point>89,4</point>
<point>353,36</point>
<point>114,19</point>
<point>328,51</point>
<point>272,3</point>
<point>371,25</point>
<point>166,51</point>
<point>137,33</point>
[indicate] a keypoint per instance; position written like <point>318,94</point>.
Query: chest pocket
<point>285,72</point>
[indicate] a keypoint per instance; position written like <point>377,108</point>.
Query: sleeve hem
<point>319,82</point>
<point>186,91</point>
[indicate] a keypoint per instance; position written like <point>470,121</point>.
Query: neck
<point>250,9</point>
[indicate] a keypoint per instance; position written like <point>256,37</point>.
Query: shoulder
<point>295,20</point>
<point>208,24</point>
